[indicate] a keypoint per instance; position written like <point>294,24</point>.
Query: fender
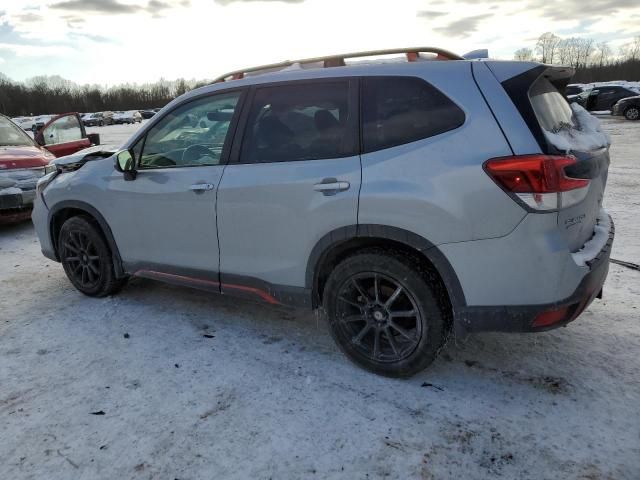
<point>78,205</point>
<point>413,240</point>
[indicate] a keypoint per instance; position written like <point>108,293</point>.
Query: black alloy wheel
<point>380,316</point>
<point>86,258</point>
<point>387,312</point>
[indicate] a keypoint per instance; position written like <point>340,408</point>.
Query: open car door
<point>63,135</point>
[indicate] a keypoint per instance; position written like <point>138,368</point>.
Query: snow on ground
<point>270,396</point>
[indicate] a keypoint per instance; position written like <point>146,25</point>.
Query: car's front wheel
<point>385,314</point>
<point>86,258</point>
<point>632,113</point>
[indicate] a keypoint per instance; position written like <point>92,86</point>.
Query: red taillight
<point>538,180</point>
<point>550,317</point>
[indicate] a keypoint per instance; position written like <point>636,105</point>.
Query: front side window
<point>63,130</point>
<point>12,135</point>
<point>190,135</point>
<point>309,121</point>
<point>399,110</point>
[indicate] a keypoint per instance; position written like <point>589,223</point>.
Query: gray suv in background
<point>404,199</point>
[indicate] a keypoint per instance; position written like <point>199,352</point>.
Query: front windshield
<point>12,135</point>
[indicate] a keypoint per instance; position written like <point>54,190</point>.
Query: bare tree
<point>523,54</point>
<point>631,50</point>
<point>584,51</point>
<point>546,46</point>
<point>603,53</point>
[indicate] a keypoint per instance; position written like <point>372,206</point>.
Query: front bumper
<point>18,192</point>
<point>542,317</point>
<point>617,110</point>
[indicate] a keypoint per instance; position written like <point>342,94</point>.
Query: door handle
<point>331,186</point>
<point>200,187</point>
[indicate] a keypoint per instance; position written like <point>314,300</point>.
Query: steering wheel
<point>194,153</point>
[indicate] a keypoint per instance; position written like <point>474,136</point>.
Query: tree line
<point>53,94</point>
<point>593,61</point>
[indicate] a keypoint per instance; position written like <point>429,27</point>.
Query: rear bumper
<point>542,317</point>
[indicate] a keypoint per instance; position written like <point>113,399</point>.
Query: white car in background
<point>129,117</point>
<point>26,123</point>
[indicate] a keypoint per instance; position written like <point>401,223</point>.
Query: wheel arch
<point>64,210</point>
<point>344,241</point>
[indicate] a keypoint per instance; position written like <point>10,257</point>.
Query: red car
<point>23,160</point>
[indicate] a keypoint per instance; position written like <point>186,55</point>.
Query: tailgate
<point>577,222</point>
<point>563,129</point>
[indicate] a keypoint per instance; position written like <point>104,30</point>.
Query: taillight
<point>540,181</point>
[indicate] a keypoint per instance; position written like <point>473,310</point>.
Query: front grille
<point>10,201</point>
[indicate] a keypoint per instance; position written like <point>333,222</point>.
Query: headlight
<point>44,181</point>
<point>50,168</point>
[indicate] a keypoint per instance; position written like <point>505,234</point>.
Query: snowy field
<point>130,386</point>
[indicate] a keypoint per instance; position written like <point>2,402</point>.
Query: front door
<point>63,135</point>
<point>293,178</point>
<point>166,219</point>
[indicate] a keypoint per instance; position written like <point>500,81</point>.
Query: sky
<point>110,42</point>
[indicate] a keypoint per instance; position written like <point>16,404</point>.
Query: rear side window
<point>309,121</point>
<point>399,110</point>
<point>551,108</point>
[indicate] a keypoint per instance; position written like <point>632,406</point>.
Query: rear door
<point>294,176</point>
<point>63,135</point>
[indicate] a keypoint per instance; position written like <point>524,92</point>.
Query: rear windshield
<point>550,106</point>
<point>12,135</point>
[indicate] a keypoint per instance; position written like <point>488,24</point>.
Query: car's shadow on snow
<point>550,363</point>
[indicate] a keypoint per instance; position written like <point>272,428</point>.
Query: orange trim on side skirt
<point>260,293</point>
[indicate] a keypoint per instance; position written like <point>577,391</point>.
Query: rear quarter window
<point>551,108</point>
<point>400,110</point>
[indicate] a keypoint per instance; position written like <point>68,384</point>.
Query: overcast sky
<point>114,41</point>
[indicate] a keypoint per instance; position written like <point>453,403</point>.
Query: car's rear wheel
<point>86,258</point>
<point>386,315</point>
<point>632,113</point>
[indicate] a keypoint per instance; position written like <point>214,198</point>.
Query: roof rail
<point>412,55</point>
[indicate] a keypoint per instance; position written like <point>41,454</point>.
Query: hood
<point>24,157</point>
<point>76,160</point>
<point>634,99</point>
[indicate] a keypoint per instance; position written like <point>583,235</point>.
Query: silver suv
<point>404,199</point>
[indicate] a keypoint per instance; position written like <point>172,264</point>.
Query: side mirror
<point>39,138</point>
<point>125,163</point>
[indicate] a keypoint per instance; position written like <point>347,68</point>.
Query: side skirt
<point>234,285</point>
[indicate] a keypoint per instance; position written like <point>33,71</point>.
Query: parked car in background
<point>129,117</point>
<point>573,89</point>
<point>24,161</point>
<point>628,107</point>
<point>26,123</point>
<point>98,119</point>
<point>604,97</point>
<point>146,114</point>
<point>40,121</point>
<point>405,199</point>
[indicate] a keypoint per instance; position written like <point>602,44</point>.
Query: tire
<point>101,124</point>
<point>86,258</point>
<point>632,113</point>
<point>406,343</point>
